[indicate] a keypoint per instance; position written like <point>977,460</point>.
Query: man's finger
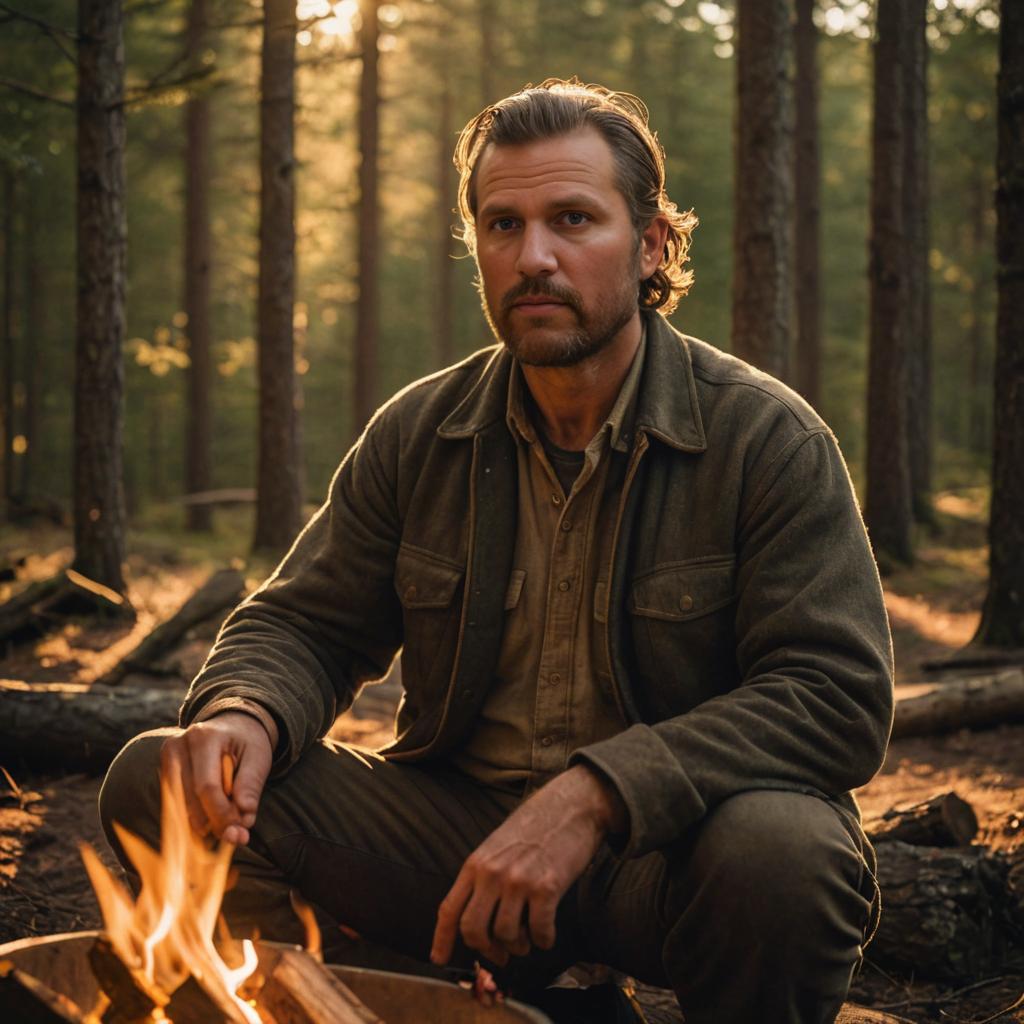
<point>542,920</point>
<point>208,783</point>
<point>174,759</point>
<point>475,924</point>
<point>448,914</point>
<point>508,930</point>
<point>249,781</point>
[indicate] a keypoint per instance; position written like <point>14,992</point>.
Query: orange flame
<point>167,933</point>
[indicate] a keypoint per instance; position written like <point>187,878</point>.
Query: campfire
<point>168,957</point>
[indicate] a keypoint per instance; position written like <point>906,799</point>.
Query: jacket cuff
<point>634,762</point>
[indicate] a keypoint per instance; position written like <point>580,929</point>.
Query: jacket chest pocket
<point>427,586</point>
<point>683,631</point>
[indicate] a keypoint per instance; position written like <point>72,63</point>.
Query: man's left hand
<point>505,897</point>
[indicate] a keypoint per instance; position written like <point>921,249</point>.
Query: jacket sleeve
<point>813,710</point>
<point>326,620</point>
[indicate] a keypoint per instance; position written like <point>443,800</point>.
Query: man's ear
<point>652,245</point>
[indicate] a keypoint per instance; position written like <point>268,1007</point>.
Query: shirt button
<point>564,585</point>
<point>566,525</point>
<point>554,679</point>
<point>547,741</point>
<point>686,602</point>
<point>556,499</point>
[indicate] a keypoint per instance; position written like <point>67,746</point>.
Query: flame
<point>167,933</point>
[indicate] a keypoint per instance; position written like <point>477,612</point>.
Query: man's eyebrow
<point>575,201</point>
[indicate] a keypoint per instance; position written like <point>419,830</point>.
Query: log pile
<point>950,911</point>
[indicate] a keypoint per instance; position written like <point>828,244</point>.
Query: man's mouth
<point>537,304</point>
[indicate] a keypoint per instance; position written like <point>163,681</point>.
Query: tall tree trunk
<point>279,495</point>
<point>368,306</point>
<point>762,234</point>
<point>979,385</point>
<point>198,259</point>
<point>1002,618</point>
<point>888,510</point>
<point>7,334</point>
<point>915,219</point>
<point>445,318</point>
<point>488,51</point>
<point>33,351</point>
<point>807,373</point>
<point>102,233</point>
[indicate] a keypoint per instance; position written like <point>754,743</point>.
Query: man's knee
<point>130,794</point>
<point>781,863</point>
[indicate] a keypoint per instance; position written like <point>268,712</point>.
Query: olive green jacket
<point>746,632</point>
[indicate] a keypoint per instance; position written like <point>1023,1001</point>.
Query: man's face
<point>560,262</point>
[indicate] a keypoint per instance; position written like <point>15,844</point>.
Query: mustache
<point>540,286</point>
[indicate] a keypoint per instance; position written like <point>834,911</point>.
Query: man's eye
<point>504,224</point>
<point>574,218</point>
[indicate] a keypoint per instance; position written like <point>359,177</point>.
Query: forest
<point>229,232</point>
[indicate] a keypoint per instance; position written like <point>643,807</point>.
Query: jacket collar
<point>667,406</point>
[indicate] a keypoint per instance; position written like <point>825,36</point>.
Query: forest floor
<point>934,609</point>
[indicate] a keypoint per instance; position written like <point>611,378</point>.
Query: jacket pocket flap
<point>684,590</point>
<point>423,581</point>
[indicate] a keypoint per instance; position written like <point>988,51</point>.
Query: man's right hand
<point>199,752</point>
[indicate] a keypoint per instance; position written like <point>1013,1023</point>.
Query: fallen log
<point>28,1001</point>
<point>42,604</point>
<point>976,703</point>
<point>224,588</point>
<point>943,820</point>
<point>944,914</point>
<point>853,1014</point>
<point>77,727</point>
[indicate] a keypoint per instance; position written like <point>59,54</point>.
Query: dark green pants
<point>758,914</point>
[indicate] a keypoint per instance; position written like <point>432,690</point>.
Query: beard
<point>539,342</point>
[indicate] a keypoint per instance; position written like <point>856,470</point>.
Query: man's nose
<point>536,252</point>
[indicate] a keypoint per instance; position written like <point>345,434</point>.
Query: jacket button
<point>410,592</point>
<point>686,602</point>
<point>564,585</point>
<point>554,679</point>
<point>566,525</point>
<point>547,741</point>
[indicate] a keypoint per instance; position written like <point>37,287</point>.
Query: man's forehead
<point>580,159</point>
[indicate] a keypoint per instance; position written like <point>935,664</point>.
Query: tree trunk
<point>762,233</point>
<point>368,306</point>
<point>7,334</point>
<point>1002,618</point>
<point>198,258</point>
<point>965,704</point>
<point>279,496</point>
<point>807,373</point>
<point>978,387</point>
<point>102,234</point>
<point>34,349</point>
<point>917,310</point>
<point>888,511</point>
<point>445,318</point>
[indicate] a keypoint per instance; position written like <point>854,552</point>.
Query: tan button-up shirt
<point>552,692</point>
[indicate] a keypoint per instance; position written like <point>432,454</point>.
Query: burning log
<point>943,820</point>
<point>28,1001</point>
<point>77,727</point>
<point>132,997</point>
<point>224,588</point>
<point>299,990</point>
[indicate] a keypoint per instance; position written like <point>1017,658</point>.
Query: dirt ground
<point>934,609</point>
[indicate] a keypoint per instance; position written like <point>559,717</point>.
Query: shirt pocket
<point>682,616</point>
<point>427,586</point>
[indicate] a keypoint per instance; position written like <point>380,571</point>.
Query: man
<point>644,650</point>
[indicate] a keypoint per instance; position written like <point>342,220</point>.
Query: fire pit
<point>61,962</point>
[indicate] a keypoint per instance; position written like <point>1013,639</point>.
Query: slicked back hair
<point>558,107</point>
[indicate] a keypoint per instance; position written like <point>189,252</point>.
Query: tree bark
<point>915,218</point>
<point>888,511</point>
<point>34,350</point>
<point>7,338</point>
<point>943,916</point>
<point>368,304</point>
<point>101,248</point>
<point>198,259</point>
<point>807,372</point>
<point>762,233</point>
<point>966,704</point>
<point>74,727</point>
<point>978,387</point>
<point>1002,618</point>
<point>279,495</point>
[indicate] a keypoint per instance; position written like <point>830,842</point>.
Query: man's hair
<point>559,106</point>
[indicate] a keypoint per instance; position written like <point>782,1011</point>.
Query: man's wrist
<point>609,808</point>
<point>249,708</point>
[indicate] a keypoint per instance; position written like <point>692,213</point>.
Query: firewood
<point>27,1000</point>
<point>975,703</point>
<point>299,990</point>
<point>193,1003</point>
<point>132,998</point>
<point>944,912</point>
<point>76,727</point>
<point>942,820</point>
<point>224,588</point>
